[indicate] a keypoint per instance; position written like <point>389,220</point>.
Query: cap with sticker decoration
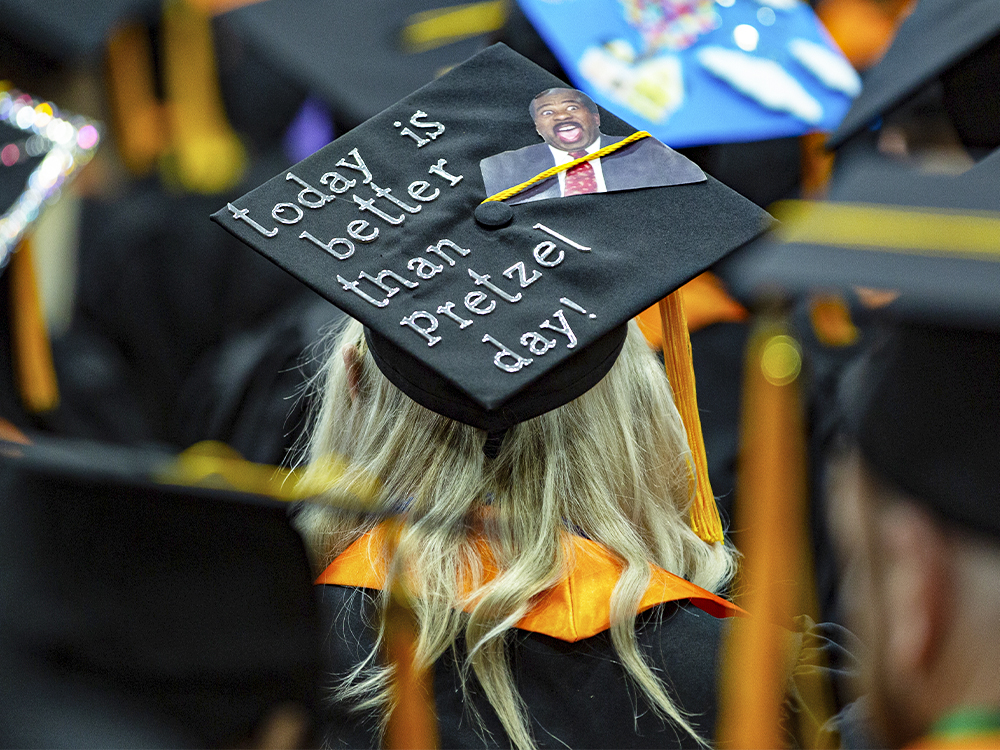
<point>954,39</point>
<point>491,312</point>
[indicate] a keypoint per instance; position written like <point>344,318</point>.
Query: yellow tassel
<point>680,371</point>
<point>206,153</point>
<point>218,7</point>
<point>136,113</point>
<point>431,29</point>
<point>32,354</point>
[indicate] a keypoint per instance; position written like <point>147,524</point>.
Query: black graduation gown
<point>577,694</point>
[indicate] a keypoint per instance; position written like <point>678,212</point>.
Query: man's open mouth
<point>569,132</point>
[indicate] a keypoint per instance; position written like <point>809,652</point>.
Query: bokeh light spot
<point>10,155</point>
<point>781,360</point>
<point>766,16</point>
<point>746,37</point>
<point>87,137</point>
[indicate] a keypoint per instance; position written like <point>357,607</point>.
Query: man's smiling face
<point>564,121</point>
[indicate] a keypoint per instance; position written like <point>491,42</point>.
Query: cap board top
<point>477,319</point>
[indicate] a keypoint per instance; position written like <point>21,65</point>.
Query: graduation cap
<point>362,57</point>
<point>70,29</point>
<point>139,613</point>
<point>702,72</point>
<point>927,242</point>
<point>924,400</point>
<point>41,148</point>
<point>956,38</point>
<point>492,312</point>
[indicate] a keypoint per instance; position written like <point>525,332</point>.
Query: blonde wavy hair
<point>611,464</point>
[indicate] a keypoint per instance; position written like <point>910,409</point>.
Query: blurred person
<point>912,480</point>
<point>929,100</point>
<point>920,535</point>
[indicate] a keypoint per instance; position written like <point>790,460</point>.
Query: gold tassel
<point>776,581</point>
<point>680,371</point>
<point>206,154</point>
<point>34,369</point>
<point>136,113</point>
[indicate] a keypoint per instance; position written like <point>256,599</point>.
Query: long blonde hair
<point>612,464</point>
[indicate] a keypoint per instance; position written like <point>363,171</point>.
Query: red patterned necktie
<point>581,178</point>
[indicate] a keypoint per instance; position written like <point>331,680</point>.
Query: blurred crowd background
<point>129,319</point>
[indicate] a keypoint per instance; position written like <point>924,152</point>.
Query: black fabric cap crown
<point>936,36</point>
<point>356,56</point>
<point>495,321</point>
<point>137,614</point>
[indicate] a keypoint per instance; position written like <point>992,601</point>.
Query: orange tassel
<point>776,581</point>
<point>412,723</point>
<point>33,367</point>
<point>817,165</point>
<point>135,111</point>
<point>831,321</point>
<point>706,301</point>
<point>680,372</point>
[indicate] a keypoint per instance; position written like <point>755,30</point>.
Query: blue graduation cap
<point>696,72</point>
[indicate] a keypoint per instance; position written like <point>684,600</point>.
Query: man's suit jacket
<point>645,163</point>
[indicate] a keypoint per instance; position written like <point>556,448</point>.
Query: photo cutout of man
<point>569,123</point>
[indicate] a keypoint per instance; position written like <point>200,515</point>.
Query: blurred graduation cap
<point>139,613</point>
<point>486,312</point>
<point>956,40</point>
<point>40,149</point>
<point>362,57</point>
<point>922,253</point>
<point>695,72</point>
<point>70,30</point>
<point>926,241</point>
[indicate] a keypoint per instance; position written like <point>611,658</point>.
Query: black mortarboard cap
<point>923,401</point>
<point>362,57</point>
<point>70,30</point>
<point>936,36</point>
<point>137,613</point>
<point>488,314</point>
<point>932,240</point>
